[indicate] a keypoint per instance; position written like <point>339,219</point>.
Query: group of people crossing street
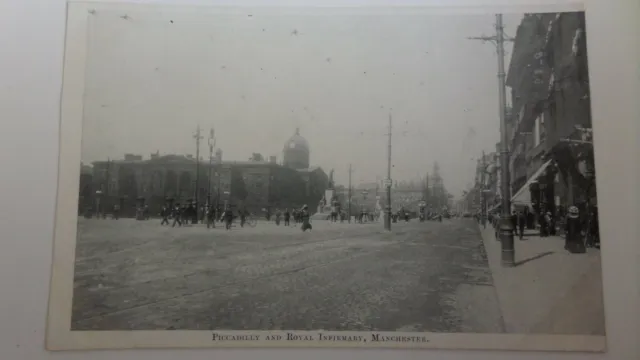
<point>183,215</point>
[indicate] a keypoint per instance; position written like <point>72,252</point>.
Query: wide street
<point>138,275</point>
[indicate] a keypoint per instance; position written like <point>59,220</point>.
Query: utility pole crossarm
<point>483,38</point>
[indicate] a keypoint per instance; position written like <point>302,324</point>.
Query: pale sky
<point>151,81</point>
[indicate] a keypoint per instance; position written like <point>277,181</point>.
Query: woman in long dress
<point>306,224</point>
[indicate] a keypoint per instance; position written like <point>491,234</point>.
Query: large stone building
<point>253,185</point>
<point>551,148</point>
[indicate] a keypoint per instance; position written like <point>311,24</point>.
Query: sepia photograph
<point>332,177</point>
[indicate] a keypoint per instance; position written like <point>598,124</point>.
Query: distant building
<point>470,201</point>
<point>367,195</point>
<point>487,179</point>
<point>253,185</point>
<point>86,187</point>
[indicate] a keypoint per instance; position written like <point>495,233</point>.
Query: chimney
<point>272,160</point>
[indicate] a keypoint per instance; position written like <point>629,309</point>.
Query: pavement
<point>550,291</point>
<point>138,275</point>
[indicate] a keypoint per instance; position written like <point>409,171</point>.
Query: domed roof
<point>297,142</point>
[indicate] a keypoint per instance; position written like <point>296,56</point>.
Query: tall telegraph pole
<point>387,215</point>
<point>212,145</point>
<point>483,199</point>
<point>198,137</point>
<point>349,192</point>
<point>506,227</point>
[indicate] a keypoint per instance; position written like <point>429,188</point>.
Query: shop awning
<point>523,196</point>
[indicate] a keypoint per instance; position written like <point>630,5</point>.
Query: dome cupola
<point>296,152</point>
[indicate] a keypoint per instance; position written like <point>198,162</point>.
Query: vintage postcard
<point>326,177</point>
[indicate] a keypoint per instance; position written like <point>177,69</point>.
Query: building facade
<point>550,139</point>
<point>253,185</point>
<point>527,79</point>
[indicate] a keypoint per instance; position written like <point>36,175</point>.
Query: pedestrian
<point>194,214</point>
<point>528,216</point>
<point>228,218</point>
<point>551,224</point>
<point>287,217</point>
<point>306,223</point>
<point>177,215</point>
<point>211,217</point>
<point>544,225</point>
<point>573,232</point>
<point>184,214</point>
<point>164,213</point>
<point>334,214</point>
<point>278,217</point>
<point>522,222</point>
<point>116,212</point>
<point>295,214</point>
<point>594,228</point>
<point>243,217</point>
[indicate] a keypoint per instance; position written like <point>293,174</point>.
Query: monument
<point>325,205</point>
<point>329,194</point>
<point>379,210</point>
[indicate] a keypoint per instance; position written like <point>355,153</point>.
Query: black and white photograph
<point>331,177</point>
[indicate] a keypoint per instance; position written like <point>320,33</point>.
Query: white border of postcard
<point>59,335</point>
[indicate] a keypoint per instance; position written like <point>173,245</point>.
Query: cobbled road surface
<point>138,275</point>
